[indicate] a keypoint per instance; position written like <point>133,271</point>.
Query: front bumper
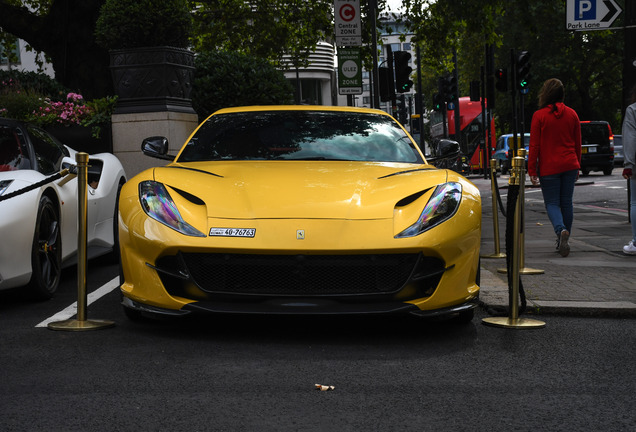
<point>292,306</point>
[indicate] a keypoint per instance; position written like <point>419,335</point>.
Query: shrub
<point>33,82</point>
<point>229,79</point>
<point>29,103</point>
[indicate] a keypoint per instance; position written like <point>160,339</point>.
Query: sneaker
<point>564,245</point>
<point>630,249</point>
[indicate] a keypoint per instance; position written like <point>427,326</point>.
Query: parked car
<point>39,228</point>
<point>618,151</point>
<point>597,152</point>
<point>299,210</point>
<point>504,143</point>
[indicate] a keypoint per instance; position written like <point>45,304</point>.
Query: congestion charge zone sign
<point>348,23</point>
<point>591,14</point>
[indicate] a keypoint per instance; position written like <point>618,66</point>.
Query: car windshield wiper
<point>317,158</point>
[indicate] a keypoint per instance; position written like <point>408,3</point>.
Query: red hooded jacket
<point>555,141</point>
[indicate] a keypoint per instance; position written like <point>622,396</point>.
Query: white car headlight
<point>157,203</point>
<point>440,207</point>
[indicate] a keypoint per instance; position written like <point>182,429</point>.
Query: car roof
<point>323,108</point>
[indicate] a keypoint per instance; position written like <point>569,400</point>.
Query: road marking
<point>71,310</point>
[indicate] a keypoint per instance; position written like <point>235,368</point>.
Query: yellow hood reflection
<point>298,189</point>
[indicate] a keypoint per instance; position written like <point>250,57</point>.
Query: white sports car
<point>38,228</point>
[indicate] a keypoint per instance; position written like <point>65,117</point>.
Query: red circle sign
<point>347,12</point>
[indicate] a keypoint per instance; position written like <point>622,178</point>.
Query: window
<point>300,135</point>
<point>14,54</point>
<point>48,152</point>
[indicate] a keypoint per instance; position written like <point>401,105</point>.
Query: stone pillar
<point>129,130</point>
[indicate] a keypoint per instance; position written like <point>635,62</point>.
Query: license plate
<point>232,232</point>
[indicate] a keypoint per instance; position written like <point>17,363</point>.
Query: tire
<point>504,167</point>
<point>608,170</point>
<point>133,315</point>
<point>46,251</point>
<point>585,172</point>
<point>465,317</point>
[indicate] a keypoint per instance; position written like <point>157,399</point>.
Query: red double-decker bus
<point>472,138</point>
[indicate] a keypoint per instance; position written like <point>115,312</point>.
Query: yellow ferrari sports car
<point>298,210</point>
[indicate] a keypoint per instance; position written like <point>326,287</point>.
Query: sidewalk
<point>596,279</point>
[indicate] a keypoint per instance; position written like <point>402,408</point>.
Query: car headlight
<point>440,207</point>
<point>4,185</point>
<point>157,203</point>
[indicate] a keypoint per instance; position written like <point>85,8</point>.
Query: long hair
<point>551,93</point>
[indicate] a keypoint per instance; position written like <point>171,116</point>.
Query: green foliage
<point>18,104</point>
<point>38,99</point>
<point>267,29</point>
<point>588,63</point>
<point>33,82</point>
<point>228,79</point>
<point>143,23</point>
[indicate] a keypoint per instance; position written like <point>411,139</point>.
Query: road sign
<point>348,24</point>
<point>591,14</point>
<point>349,71</point>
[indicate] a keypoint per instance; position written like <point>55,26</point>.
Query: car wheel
<point>585,172</point>
<point>465,317</point>
<point>132,314</point>
<point>608,171</point>
<point>504,167</point>
<point>46,251</point>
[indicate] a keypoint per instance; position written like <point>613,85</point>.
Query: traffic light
<point>501,80</point>
<point>438,102</point>
<point>402,109</point>
<point>403,71</point>
<point>385,79</point>
<point>449,88</point>
<point>475,92</point>
<point>523,70</point>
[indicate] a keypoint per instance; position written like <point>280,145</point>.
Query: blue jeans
<point>632,214</point>
<point>558,190</point>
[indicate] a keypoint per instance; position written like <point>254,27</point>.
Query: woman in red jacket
<point>554,158</point>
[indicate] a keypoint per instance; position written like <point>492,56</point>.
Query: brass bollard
<point>522,238</point>
<point>495,212</point>
<point>81,323</point>
<point>513,321</point>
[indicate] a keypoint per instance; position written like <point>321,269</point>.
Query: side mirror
<point>157,147</point>
<point>447,148</point>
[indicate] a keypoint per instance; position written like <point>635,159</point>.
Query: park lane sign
<point>591,14</point>
<point>348,23</point>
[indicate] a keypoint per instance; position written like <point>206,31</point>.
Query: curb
<point>494,295</point>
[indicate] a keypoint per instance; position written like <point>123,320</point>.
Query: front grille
<point>301,275</point>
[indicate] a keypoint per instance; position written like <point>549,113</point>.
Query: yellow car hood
<point>298,189</point>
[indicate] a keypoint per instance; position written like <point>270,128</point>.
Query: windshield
<point>300,135</point>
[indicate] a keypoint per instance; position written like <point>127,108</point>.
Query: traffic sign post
<point>591,14</point>
<point>349,71</point>
<point>348,23</point>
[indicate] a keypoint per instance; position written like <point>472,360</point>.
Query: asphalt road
<point>246,374</point>
<point>259,373</point>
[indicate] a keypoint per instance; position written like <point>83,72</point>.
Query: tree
<point>267,29</point>
<point>588,63</point>
<point>63,29</point>
<point>228,79</point>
